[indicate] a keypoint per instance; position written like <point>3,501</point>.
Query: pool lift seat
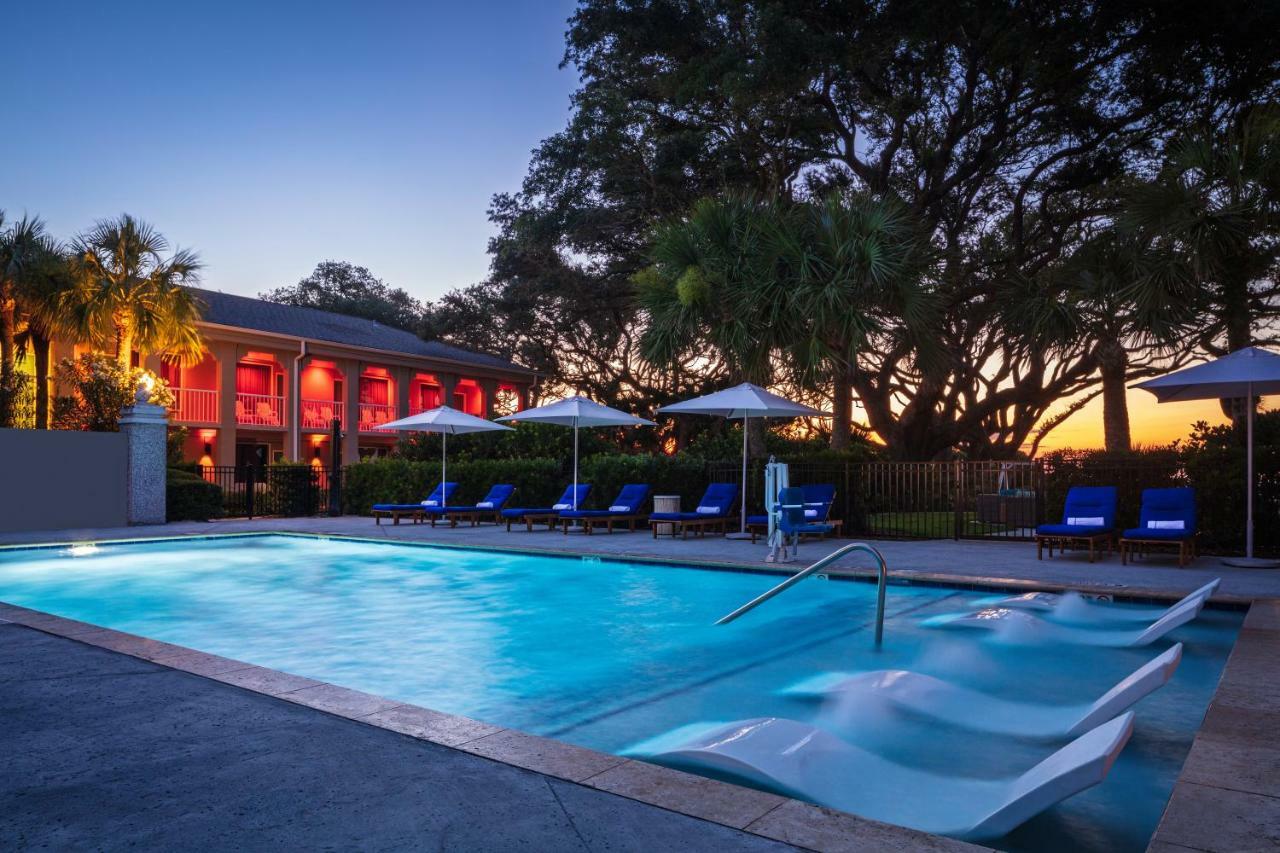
<point>1073,608</point>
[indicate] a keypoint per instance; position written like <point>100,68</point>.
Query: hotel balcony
<point>262,410</point>
<point>372,415</point>
<point>319,414</point>
<point>194,406</point>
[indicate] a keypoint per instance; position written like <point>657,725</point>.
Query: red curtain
<point>253,379</point>
<point>373,390</point>
<point>428,396</point>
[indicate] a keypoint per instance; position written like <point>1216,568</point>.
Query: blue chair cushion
<point>1158,534</point>
<point>757,519</point>
<point>587,513</point>
<point>1072,529</point>
<point>682,516</point>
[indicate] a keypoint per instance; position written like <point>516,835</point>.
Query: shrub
<point>538,482</point>
<point>292,489</point>
<point>188,497</point>
<point>100,389</point>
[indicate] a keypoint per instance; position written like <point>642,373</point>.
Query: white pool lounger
<point>969,709</point>
<point>1021,627</point>
<point>1074,608</point>
<point>809,762</point>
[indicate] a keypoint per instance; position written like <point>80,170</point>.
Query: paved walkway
<point>963,561</point>
<point>105,751</point>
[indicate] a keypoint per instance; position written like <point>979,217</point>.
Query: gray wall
<point>56,479</point>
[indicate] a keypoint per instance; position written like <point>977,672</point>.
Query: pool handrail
<point>882,582</point>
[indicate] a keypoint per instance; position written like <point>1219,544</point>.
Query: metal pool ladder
<point>818,566</point>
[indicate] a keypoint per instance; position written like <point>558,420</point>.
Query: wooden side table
<point>665,503</point>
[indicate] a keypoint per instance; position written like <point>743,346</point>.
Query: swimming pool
<point>606,654</point>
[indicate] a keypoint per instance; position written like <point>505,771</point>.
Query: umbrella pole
<point>1248,473</point>
<point>1249,561</point>
<point>575,464</point>
<point>743,528</point>
<point>444,473</point>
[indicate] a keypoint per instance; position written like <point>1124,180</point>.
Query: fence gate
<point>286,490</point>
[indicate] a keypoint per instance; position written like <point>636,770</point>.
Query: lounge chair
<point>1089,517</point>
<point>488,509</point>
<point>1072,608</point>
<point>433,502</point>
<point>548,515</point>
<point>1020,627</point>
<point>926,696</point>
<point>1167,518</point>
<point>818,499</point>
<point>714,511</point>
<point>626,507</point>
<point>798,759</point>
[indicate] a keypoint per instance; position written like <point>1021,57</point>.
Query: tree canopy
<point>1008,131</point>
<point>345,288</point>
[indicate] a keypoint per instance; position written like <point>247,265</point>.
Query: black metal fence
<point>1006,500</point>
<point>288,490</point>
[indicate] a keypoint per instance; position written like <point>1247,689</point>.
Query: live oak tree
<point>999,126</point>
<point>345,288</point>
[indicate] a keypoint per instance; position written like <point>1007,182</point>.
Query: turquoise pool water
<point>605,654</point>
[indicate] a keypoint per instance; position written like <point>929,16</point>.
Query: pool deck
<point>125,741</point>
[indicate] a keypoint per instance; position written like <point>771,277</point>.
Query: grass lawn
<point>931,525</point>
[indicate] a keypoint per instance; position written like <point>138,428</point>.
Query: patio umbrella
<point>1247,373</point>
<point>577,412</point>
<point>447,422</point>
<point>744,401</point>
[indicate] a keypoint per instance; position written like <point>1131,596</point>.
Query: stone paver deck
<point>106,751</point>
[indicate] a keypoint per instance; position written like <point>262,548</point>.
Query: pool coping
<point>897,577</point>
<point>1243,717</point>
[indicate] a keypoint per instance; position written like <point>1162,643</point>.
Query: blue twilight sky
<point>270,136</point>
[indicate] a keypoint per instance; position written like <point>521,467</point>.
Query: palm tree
<point>714,293</point>
<point>857,265</point>
<point>1216,203</point>
<point>40,300</point>
<point>1117,297</point>
<point>25,251</point>
<point>128,296</point>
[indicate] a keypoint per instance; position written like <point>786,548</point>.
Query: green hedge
<point>189,497</point>
<point>394,480</point>
<point>538,482</point>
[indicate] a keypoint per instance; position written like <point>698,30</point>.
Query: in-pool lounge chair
<point>818,498</point>
<point>925,696</point>
<point>714,511</point>
<point>1025,628</point>
<point>433,503</point>
<point>1072,608</point>
<point>798,759</point>
<point>1167,518</point>
<point>548,515</point>
<point>626,508</point>
<point>1089,518</point>
<point>488,509</point>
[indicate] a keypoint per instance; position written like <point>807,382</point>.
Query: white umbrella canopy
<point>1248,373</point>
<point>577,412</point>
<point>446,421</point>
<point>743,401</point>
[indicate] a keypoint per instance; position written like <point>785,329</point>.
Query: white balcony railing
<point>373,415</point>
<point>319,414</point>
<point>195,405</point>
<point>259,410</point>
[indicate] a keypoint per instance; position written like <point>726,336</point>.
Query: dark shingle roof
<point>226,309</point>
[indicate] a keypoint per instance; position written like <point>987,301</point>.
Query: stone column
<point>448,381</point>
<point>403,377</point>
<point>228,356</point>
<point>146,427</point>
